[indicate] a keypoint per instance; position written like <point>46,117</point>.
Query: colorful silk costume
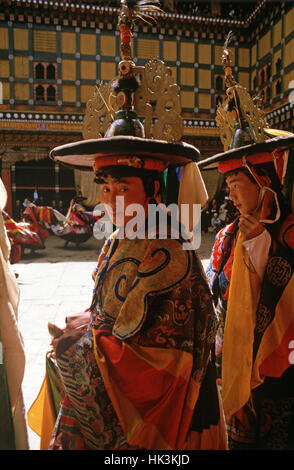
<point>258,396</point>
<point>75,227</point>
<point>22,236</point>
<point>252,274</point>
<point>143,375</point>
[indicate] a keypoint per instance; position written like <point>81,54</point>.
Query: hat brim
<point>281,143</point>
<point>83,154</point>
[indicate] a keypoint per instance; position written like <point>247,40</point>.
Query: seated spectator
<point>41,201</point>
<point>61,207</point>
<point>36,196</point>
<point>215,222</point>
<point>213,205</point>
<point>18,211</point>
<point>223,211</point>
<point>205,218</point>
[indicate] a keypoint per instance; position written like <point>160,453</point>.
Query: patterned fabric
<point>75,227</point>
<point>87,419</point>
<point>43,216</point>
<point>267,420</point>
<point>221,260</point>
<point>30,215</point>
<point>19,234</point>
<point>135,380</point>
<point>259,325</point>
<point>218,273</point>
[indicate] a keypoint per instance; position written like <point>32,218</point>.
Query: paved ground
<point>56,282</point>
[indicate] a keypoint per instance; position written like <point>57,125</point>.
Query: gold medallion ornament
<point>100,111</point>
<point>154,94</point>
<point>157,101</point>
<point>238,110</point>
<point>138,113</point>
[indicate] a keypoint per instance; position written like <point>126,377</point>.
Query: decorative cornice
<point>73,122</point>
<point>74,119</point>
<point>66,13</point>
<point>91,8</point>
<point>282,115</point>
<point>41,121</point>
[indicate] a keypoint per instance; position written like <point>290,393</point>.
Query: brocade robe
<point>142,376</point>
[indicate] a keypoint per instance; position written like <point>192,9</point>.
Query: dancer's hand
<point>250,227</point>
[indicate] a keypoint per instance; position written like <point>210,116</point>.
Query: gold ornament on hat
<point>238,118</point>
<point>157,97</point>
<point>137,114</point>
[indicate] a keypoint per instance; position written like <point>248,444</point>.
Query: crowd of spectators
<point>38,200</point>
<point>217,214</point>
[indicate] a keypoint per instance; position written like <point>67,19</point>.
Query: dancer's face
<point>132,191</point>
<point>243,193</point>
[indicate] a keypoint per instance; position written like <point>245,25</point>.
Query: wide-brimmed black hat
<point>151,142</point>
<point>243,128</point>
<point>124,141</point>
<point>257,153</point>
<point>82,155</point>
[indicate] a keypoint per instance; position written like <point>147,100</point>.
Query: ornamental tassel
<point>226,60</point>
<point>130,12</point>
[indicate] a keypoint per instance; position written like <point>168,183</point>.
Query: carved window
<point>262,76</point>
<point>219,83</point>
<point>268,71</point>
<point>40,93</point>
<point>278,65</point>
<point>267,94</point>
<point>45,75</point>
<point>51,93</point>
<point>45,92</point>
<point>39,71</point>
<point>278,87</point>
<point>51,72</point>
<point>218,100</point>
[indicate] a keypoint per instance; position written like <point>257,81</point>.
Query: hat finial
<point>238,117</point>
<point>126,120</point>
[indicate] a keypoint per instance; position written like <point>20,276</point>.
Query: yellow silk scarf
<point>239,331</point>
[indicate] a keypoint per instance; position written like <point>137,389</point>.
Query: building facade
<point>54,53</point>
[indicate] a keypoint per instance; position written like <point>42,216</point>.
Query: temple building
<point>54,53</point>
